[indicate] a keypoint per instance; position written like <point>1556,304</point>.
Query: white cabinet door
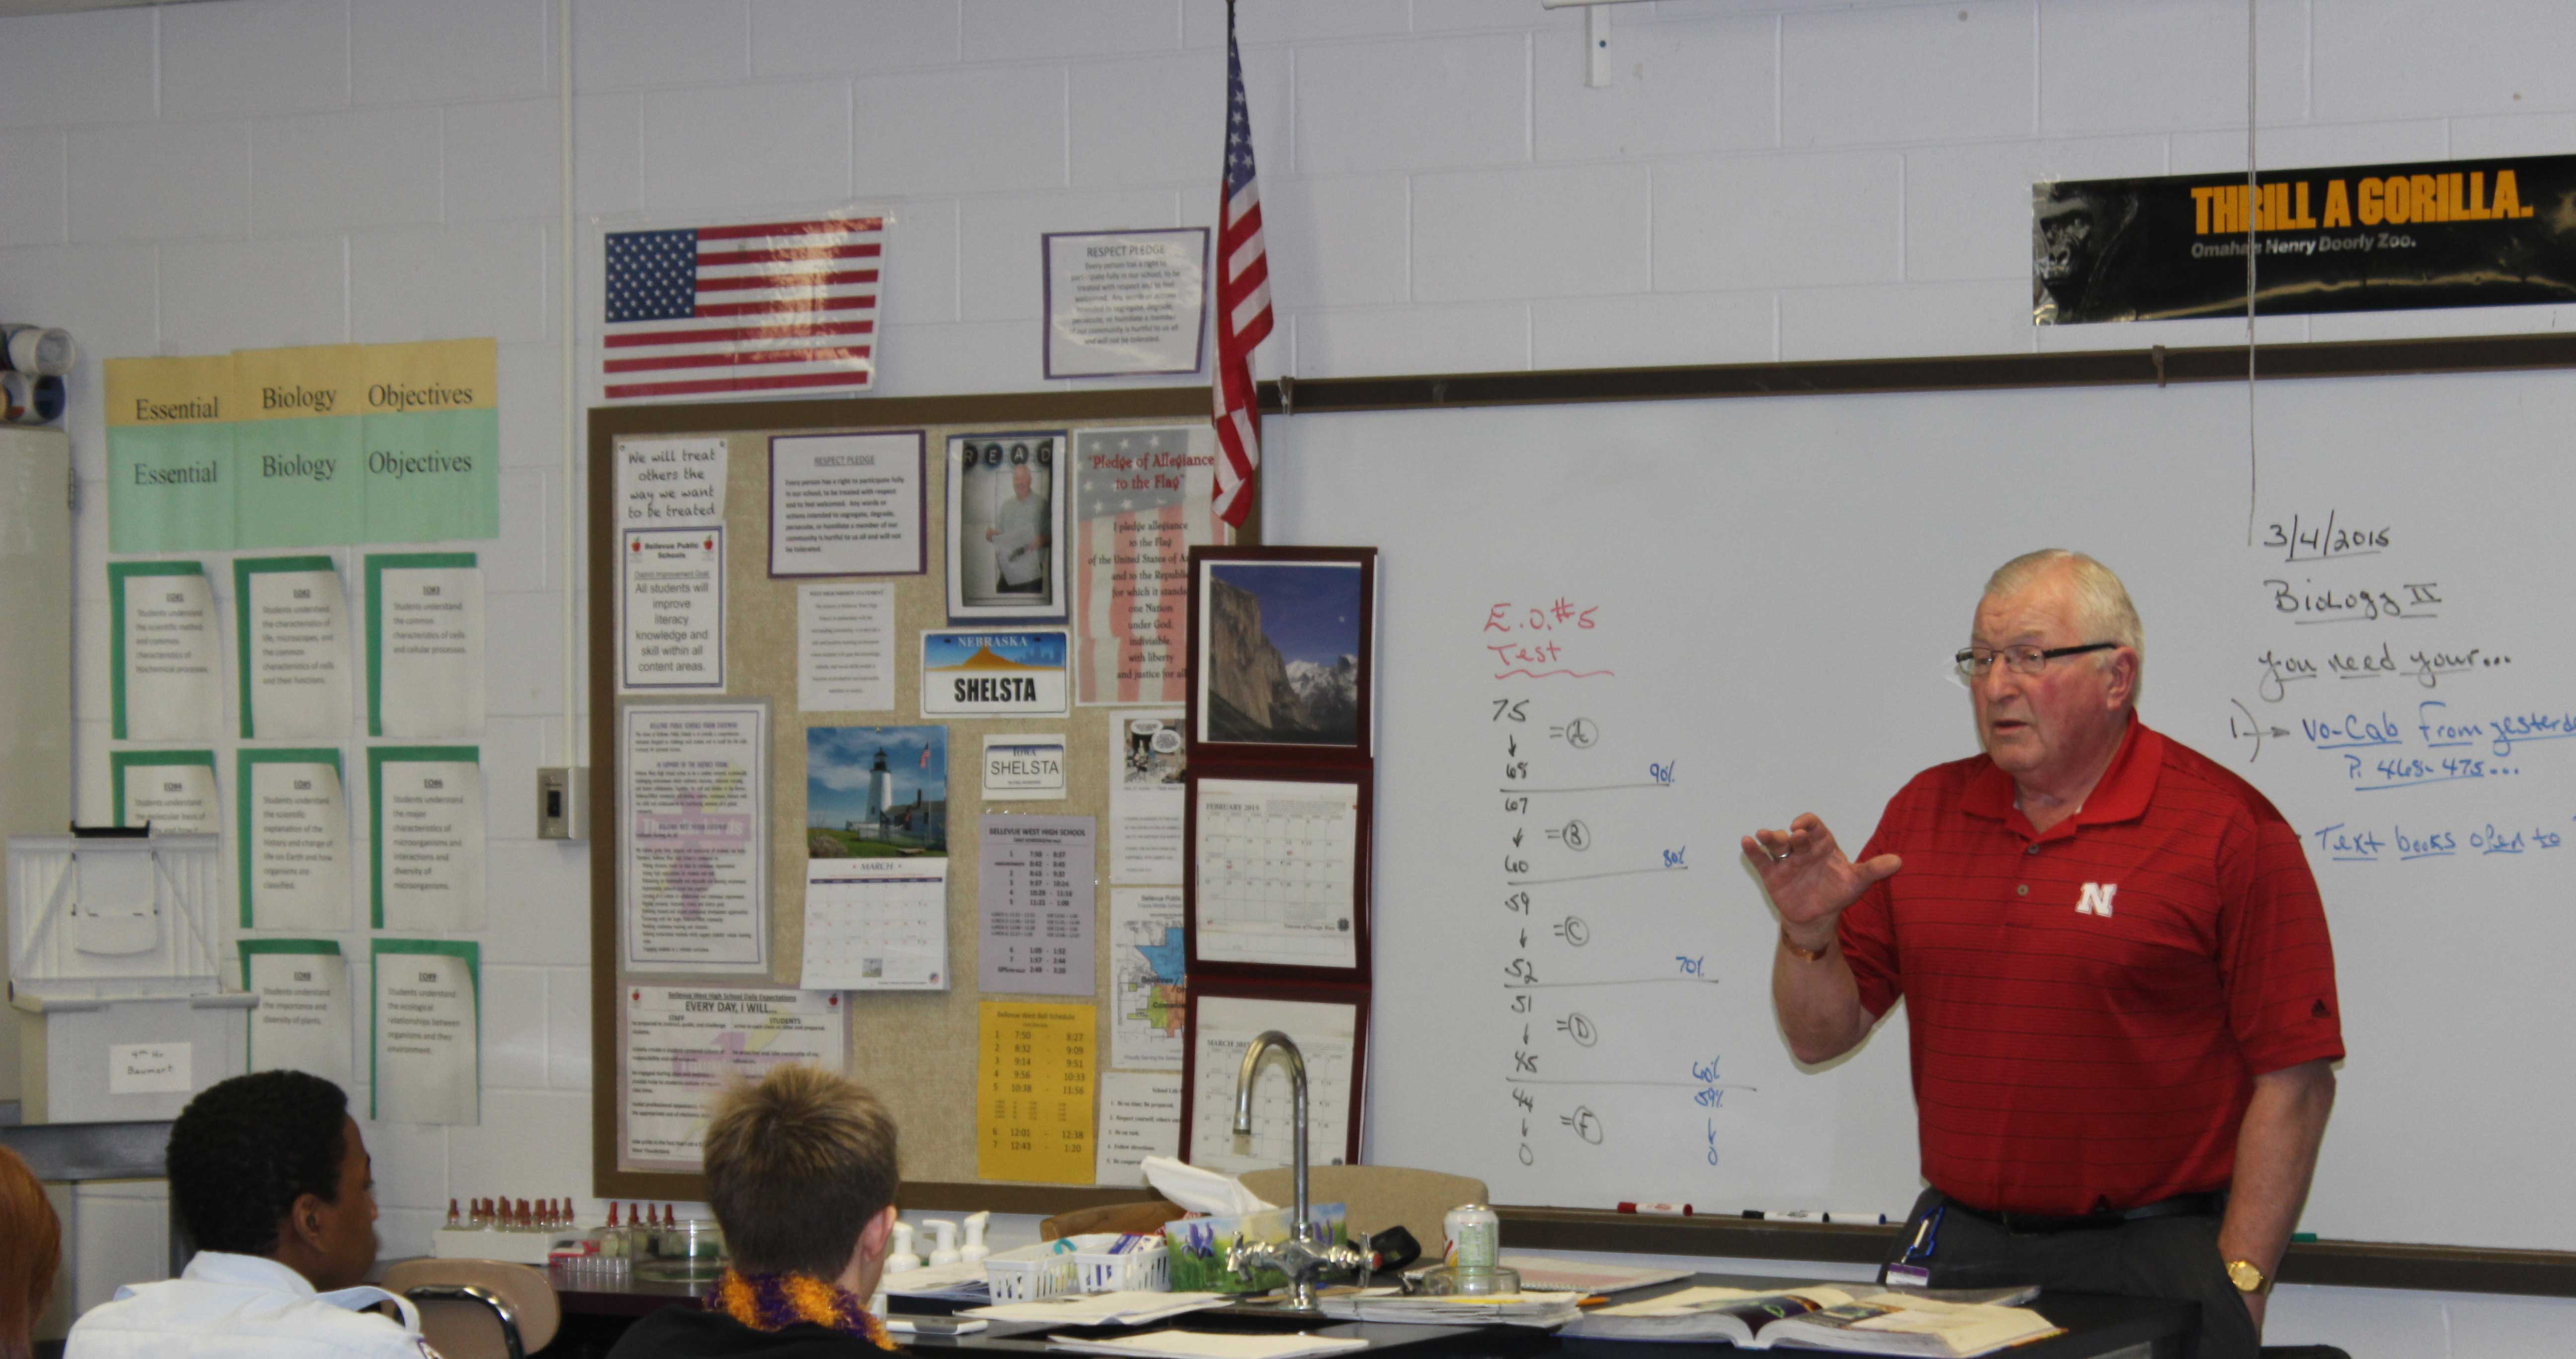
<point>35,655</point>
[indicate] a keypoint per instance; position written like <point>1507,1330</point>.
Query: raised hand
<point>1809,878</point>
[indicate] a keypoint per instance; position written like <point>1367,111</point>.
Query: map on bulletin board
<point>1149,996</point>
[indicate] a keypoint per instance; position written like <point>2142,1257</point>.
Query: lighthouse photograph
<point>876,792</point>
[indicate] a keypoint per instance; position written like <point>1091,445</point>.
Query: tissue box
<point>1198,1247</point>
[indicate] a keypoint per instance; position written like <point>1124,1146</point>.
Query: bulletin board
<point>918,1051</point>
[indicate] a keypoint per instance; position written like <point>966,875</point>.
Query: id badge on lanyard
<point>1914,1268</point>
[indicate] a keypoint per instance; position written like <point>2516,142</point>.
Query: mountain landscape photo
<point>1255,695</point>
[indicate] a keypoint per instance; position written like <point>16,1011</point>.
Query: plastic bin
<point>1124,1264</point>
<point>1031,1273</point>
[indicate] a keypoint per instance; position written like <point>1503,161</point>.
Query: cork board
<point>916,1050</point>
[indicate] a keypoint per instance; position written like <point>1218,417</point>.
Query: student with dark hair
<point>273,1183</point>
<point>801,1174</point>
<point>31,1249</point>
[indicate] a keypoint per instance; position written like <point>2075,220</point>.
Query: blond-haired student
<point>801,1173</point>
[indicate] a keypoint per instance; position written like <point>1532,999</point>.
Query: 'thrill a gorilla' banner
<point>2477,233</point>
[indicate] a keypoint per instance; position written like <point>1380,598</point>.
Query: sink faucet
<point>1302,1257</point>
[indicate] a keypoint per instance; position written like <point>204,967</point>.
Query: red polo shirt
<point>2089,1006</point>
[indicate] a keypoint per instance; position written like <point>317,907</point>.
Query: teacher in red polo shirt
<point>2123,1010</point>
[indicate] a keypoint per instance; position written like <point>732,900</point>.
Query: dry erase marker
<point>1860,1219</point>
<point>1658,1209</point>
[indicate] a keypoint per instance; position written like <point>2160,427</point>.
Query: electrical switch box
<point>563,803</point>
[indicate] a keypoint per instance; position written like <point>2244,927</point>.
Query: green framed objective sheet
<point>425,1063</point>
<point>304,1021</point>
<point>162,652</point>
<point>294,849</point>
<point>424,644</point>
<point>425,837</point>
<point>172,791</point>
<point>292,617</point>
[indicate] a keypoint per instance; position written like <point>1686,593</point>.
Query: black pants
<point>2162,1257</point>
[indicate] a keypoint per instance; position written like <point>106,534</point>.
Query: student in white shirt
<point>274,1184</point>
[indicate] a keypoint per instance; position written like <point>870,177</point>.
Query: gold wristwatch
<point>2248,1277</point>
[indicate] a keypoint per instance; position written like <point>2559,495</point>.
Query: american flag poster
<point>1143,497</point>
<point>761,309</point>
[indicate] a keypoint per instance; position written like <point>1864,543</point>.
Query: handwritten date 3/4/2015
<point>2301,539</point>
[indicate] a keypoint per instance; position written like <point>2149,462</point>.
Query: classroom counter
<point>2098,1327</point>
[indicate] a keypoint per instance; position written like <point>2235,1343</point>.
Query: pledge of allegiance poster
<point>1143,497</point>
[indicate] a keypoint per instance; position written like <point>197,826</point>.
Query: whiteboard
<point>1773,589</point>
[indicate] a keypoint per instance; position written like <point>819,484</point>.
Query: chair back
<point>479,1309</point>
<point>1375,1198</point>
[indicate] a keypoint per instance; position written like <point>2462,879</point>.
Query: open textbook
<point>1867,1322</point>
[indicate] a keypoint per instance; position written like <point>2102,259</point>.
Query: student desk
<point>2097,1327</point>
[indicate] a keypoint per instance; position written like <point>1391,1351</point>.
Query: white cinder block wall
<point>1763,180</point>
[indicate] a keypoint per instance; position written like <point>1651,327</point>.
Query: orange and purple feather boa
<point>769,1302</point>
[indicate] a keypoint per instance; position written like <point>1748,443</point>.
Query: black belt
<point>2210,1204</point>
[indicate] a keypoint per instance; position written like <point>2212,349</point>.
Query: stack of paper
<point>1588,1276</point>
<point>1502,1309</point>
<point>1132,1307</point>
<point>1206,1345</point>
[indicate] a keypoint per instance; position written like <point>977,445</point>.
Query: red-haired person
<point>31,1247</point>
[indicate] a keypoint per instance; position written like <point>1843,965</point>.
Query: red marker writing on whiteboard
<point>1659,1209</point>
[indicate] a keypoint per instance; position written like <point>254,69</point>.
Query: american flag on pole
<point>1242,301</point>
<point>726,310</point>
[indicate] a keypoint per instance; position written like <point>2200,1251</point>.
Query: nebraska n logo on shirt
<point>2096,899</point>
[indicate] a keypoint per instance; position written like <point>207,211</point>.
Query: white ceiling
<point>15,8</point>
<point>10,9</point>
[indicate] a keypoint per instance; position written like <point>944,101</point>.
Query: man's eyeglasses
<point>1975,661</point>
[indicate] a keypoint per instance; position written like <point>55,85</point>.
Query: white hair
<point>2103,612</point>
